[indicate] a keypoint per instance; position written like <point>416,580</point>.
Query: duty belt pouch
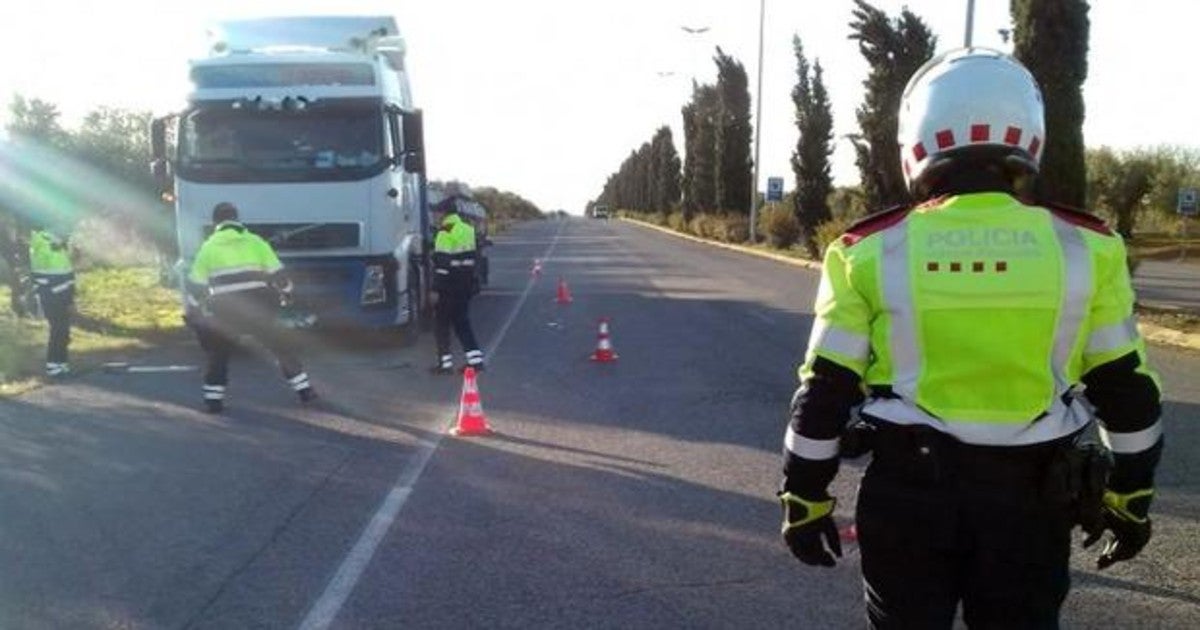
<point>858,439</point>
<point>1078,476</point>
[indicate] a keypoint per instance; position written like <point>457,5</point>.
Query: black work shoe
<point>441,370</point>
<point>307,395</point>
<point>213,406</point>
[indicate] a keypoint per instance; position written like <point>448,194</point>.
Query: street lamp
<point>970,23</point>
<point>762,8</point>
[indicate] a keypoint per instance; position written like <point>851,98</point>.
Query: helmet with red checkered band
<point>974,102</point>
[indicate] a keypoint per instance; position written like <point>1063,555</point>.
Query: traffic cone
<point>564,293</point>
<point>604,350</point>
<point>471,420</point>
<point>537,268</point>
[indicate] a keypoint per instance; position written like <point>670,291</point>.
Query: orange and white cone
<point>604,349</point>
<point>471,419</point>
<point>564,293</point>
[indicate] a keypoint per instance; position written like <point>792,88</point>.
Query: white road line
<point>326,608</point>
<point>762,317</point>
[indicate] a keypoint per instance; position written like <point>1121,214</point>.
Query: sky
<point>546,98</point>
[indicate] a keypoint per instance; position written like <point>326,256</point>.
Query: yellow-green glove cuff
<point>808,511</point>
<point>1119,504</point>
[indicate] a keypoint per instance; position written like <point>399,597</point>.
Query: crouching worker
<point>238,278</point>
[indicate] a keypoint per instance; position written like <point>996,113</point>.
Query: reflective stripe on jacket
<point>454,254</point>
<point>50,261</point>
<point>977,315</point>
<point>233,259</point>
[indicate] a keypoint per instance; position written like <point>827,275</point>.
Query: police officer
<point>237,277</point>
<point>54,281</point>
<point>968,327</point>
<point>454,259</point>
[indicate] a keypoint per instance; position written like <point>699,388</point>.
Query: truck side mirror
<point>414,162</point>
<point>158,139</point>
<point>414,131</point>
<point>161,170</point>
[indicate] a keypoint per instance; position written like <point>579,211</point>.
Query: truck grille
<point>294,236</point>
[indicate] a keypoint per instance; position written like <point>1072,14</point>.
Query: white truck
<point>308,126</point>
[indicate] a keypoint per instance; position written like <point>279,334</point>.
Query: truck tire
<point>412,330</point>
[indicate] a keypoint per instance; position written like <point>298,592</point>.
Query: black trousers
<point>57,307</point>
<point>453,310</point>
<point>940,523</point>
<point>248,313</point>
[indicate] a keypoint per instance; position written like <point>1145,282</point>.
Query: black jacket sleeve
<point>1127,401</point>
<point>820,411</point>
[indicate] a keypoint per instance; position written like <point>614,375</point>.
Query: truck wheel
<point>410,331</point>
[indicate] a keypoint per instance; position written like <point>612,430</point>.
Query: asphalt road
<point>1173,284</point>
<point>636,494</point>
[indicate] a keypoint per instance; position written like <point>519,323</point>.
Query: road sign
<point>1187,202</point>
<point>774,189</point>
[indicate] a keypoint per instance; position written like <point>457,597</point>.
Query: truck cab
<point>308,126</point>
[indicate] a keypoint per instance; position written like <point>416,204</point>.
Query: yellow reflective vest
<point>233,259</point>
<point>50,261</point>
<point>977,315</point>
<point>454,254</point>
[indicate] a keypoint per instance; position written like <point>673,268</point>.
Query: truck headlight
<point>374,290</point>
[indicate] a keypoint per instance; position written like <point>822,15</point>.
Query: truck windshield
<point>241,142</point>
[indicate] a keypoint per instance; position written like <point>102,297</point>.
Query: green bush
<point>702,226</point>
<point>732,228</point>
<point>830,230</point>
<point>780,227</point>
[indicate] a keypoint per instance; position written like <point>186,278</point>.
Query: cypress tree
<point>733,141</point>
<point>810,160</point>
<point>1051,38</point>
<point>700,161</point>
<point>894,49</point>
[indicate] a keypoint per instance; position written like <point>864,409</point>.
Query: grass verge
<point>116,309</point>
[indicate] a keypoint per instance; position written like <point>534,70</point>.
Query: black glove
<point>1127,517</point>
<point>808,529</point>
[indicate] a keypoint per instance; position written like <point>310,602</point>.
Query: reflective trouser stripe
<point>1112,337</point>
<point>474,357</point>
<point>1135,442</point>
<point>808,448</point>
<point>897,295</point>
<point>237,286</point>
<point>54,369</point>
<point>214,392</point>
<point>447,360</point>
<point>462,263</point>
<point>59,288</point>
<point>442,272</point>
<point>299,381</point>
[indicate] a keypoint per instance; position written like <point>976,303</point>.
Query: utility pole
<point>762,7</point>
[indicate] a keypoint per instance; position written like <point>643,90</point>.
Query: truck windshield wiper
<point>281,237</point>
<point>215,162</point>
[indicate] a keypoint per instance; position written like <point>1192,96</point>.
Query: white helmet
<point>969,97</point>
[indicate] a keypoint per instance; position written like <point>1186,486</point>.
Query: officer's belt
<point>947,457</point>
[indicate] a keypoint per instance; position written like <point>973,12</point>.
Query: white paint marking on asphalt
<point>152,369</point>
<point>326,608</point>
<point>762,317</point>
